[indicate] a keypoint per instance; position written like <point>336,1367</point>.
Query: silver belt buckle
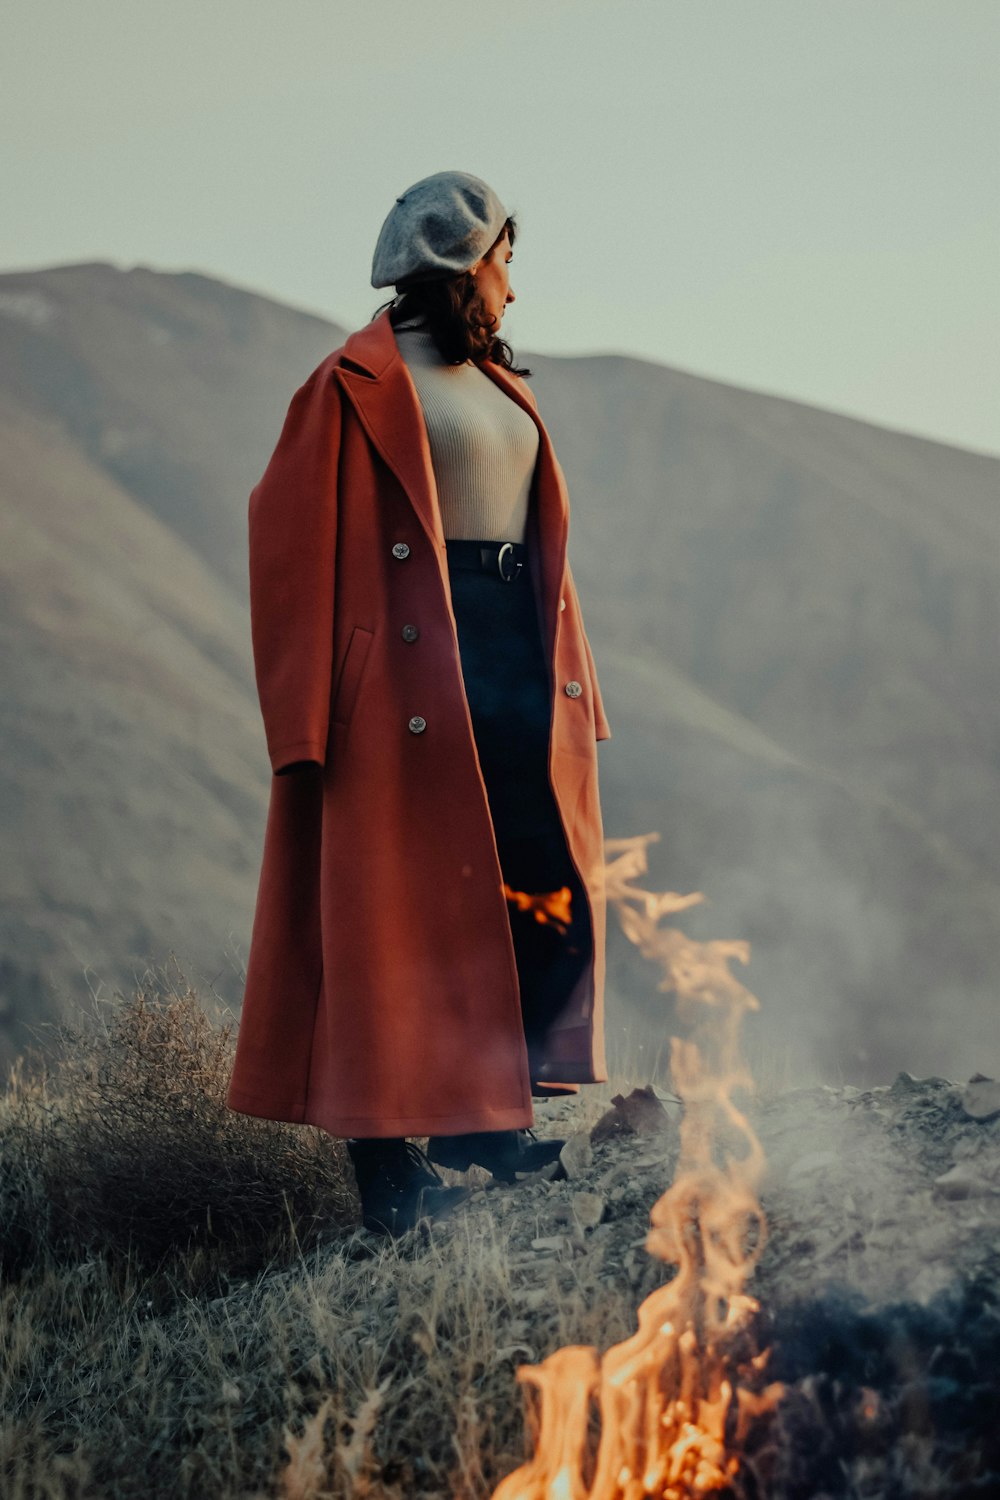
<point>508,547</point>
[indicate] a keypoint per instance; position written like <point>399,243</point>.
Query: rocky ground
<point>879,1285</point>
<point>193,1311</point>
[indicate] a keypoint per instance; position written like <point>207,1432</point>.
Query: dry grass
<point>123,1146</point>
<point>189,1310</point>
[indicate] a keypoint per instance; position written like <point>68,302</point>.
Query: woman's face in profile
<point>493,279</point>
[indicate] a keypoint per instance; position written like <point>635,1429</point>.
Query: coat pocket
<point>351,671</point>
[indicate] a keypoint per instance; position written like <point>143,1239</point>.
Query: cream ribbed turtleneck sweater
<point>483,445</point>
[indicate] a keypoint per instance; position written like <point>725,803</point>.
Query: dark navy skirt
<point>507,686</point>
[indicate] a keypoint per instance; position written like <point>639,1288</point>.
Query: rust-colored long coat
<point>382,992</point>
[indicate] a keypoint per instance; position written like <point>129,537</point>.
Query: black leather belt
<point>507,559</point>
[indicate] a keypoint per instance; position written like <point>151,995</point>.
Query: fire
<point>547,906</point>
<point>673,1411</point>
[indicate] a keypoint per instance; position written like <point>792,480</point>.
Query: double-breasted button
<point>417,724</point>
<point>400,550</point>
<point>562,603</point>
<point>410,632</point>
<point>573,689</point>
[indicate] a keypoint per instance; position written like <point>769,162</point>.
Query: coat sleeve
<point>292,551</point>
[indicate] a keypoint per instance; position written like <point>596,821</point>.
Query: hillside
<point>794,614</point>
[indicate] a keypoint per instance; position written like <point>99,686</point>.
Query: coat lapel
<point>378,383</point>
<point>374,374</point>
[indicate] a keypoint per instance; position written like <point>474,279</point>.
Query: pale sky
<point>796,196</point>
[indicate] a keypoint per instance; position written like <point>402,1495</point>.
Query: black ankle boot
<point>398,1186</point>
<point>505,1153</point>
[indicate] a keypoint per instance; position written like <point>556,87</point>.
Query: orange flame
<point>547,906</point>
<point>672,1410</point>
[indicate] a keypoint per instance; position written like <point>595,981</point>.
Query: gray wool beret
<point>438,227</point>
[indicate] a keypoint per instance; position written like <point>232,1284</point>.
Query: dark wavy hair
<point>456,316</point>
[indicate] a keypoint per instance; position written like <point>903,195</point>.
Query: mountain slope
<point>795,617</point>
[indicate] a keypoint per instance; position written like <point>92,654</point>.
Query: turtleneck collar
<point>416,344</point>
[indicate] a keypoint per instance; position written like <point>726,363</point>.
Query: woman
<point>427,951</point>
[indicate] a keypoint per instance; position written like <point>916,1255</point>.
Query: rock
<point>522,1260</point>
<point>610,1124</point>
<point>531,1298</point>
<point>642,1112</point>
<point>651,1162</point>
<point>576,1156</point>
<point>963,1181</point>
<point>619,1174</point>
<point>672,1105</point>
<point>905,1083</point>
<point>981,1098</point>
<point>550,1242</point>
<point>588,1209</point>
